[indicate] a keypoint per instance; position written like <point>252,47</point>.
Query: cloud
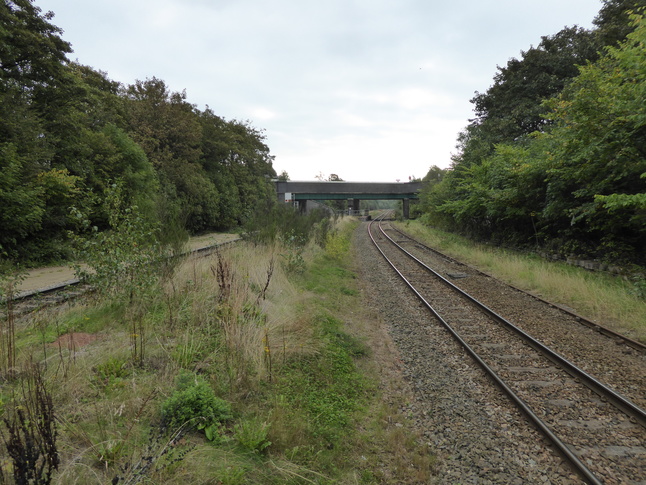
<point>368,89</point>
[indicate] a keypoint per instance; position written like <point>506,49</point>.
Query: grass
<point>279,346</point>
<point>609,300</point>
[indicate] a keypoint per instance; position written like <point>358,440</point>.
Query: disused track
<point>605,443</point>
<point>30,301</point>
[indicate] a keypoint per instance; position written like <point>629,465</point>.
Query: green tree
<point>68,133</point>
<point>237,159</point>
<point>21,201</point>
<point>613,21</point>
<point>512,106</point>
<point>167,127</point>
<point>596,178</point>
<point>32,52</point>
<point>32,71</point>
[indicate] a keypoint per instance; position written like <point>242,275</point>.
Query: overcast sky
<point>371,90</point>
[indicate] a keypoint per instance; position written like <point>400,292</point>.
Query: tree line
<point>555,156</point>
<point>69,135</point>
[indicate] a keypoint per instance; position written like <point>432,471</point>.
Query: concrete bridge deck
<point>301,192</point>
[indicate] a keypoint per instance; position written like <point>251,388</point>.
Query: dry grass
<point>251,283</point>
<point>241,321</point>
<point>237,326</point>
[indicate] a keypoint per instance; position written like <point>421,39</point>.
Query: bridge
<point>299,193</point>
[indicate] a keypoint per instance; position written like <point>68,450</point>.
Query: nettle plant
<point>294,244</point>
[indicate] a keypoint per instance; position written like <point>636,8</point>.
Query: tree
<point>613,20</point>
<point>167,127</point>
<point>597,178</point>
<point>32,53</point>
<point>32,71</point>
<point>579,186</point>
<point>512,106</point>
<point>68,133</point>
<point>236,158</point>
<point>22,203</point>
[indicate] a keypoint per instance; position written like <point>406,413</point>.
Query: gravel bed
<point>612,362</point>
<point>477,435</point>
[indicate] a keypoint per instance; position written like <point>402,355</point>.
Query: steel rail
<point>583,320</point>
<point>601,389</point>
<point>26,295</point>
<point>574,460</point>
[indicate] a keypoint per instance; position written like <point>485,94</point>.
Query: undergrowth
<point>229,369</point>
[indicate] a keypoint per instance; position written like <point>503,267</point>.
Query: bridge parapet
<point>349,188</point>
<point>293,191</point>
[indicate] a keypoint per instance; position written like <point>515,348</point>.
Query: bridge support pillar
<point>353,205</point>
<point>405,208</point>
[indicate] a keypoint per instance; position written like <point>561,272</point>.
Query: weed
<point>270,272</point>
<point>294,261</point>
<point>160,453</point>
<point>194,404</point>
<point>251,435</point>
<point>231,475</point>
<point>224,275</point>
<point>110,373</point>
<point>323,229</point>
<point>267,346</point>
<point>138,338</point>
<point>10,279</point>
<point>294,243</point>
<point>31,427</point>
<point>190,351</point>
<point>336,245</point>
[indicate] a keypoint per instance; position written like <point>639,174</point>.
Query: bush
<point>195,404</point>
<point>336,245</point>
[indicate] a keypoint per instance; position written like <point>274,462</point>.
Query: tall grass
<point>609,300</point>
<point>250,305</point>
<point>241,321</point>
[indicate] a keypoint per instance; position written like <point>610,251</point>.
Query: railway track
<point>599,430</point>
<point>31,301</point>
<point>415,246</point>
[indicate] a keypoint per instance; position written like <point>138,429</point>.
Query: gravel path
<point>477,435</point>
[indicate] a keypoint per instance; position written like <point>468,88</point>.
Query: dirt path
<point>53,275</point>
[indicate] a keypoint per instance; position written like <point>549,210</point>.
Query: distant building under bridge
<point>299,193</point>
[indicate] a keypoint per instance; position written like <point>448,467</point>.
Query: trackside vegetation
<point>237,368</point>
<point>254,365</point>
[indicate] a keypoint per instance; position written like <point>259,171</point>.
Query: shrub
<point>194,404</point>
<point>336,245</point>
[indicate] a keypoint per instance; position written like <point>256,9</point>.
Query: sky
<point>369,90</point>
